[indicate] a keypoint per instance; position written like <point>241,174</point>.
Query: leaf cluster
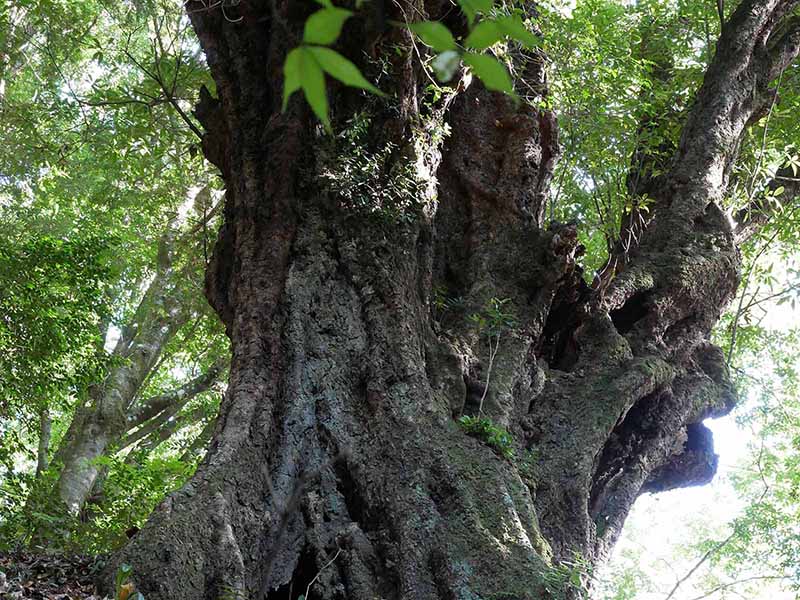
<point>306,65</point>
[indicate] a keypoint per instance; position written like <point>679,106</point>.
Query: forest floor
<point>28,576</point>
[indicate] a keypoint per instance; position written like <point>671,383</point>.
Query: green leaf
<point>514,28</point>
<point>291,74</point>
<point>446,64</point>
<point>483,35</point>
<point>794,163</point>
<point>491,72</point>
<point>122,575</point>
<point>324,26</point>
<point>435,35</point>
<point>301,70</point>
<point>472,7</point>
<point>313,84</point>
<point>338,67</point>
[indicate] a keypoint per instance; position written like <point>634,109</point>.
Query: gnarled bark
<point>337,456</point>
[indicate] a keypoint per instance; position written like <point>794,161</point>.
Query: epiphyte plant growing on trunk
<point>569,579</point>
<point>363,178</point>
<point>492,322</point>
<point>493,435</point>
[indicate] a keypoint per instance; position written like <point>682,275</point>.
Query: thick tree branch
<point>150,426</point>
<point>149,408</point>
<point>785,46</point>
<point>734,91</point>
<point>161,434</point>
<point>200,442</point>
<point>164,415</point>
<point>749,219</point>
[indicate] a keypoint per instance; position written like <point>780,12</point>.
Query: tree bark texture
<point>337,456</point>
<point>43,449</point>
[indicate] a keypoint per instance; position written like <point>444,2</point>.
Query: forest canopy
<point>124,206</point>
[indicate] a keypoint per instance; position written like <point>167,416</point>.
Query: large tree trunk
<point>337,456</point>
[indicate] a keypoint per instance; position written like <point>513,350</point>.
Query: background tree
<point>108,348</point>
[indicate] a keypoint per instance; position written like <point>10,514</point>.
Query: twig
<point>327,564</point>
<point>724,586</point>
<point>492,354</point>
<point>168,96</point>
<point>701,562</point>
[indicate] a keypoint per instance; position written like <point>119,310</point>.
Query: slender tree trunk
<point>101,423</point>
<point>337,456</point>
<point>43,450</point>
